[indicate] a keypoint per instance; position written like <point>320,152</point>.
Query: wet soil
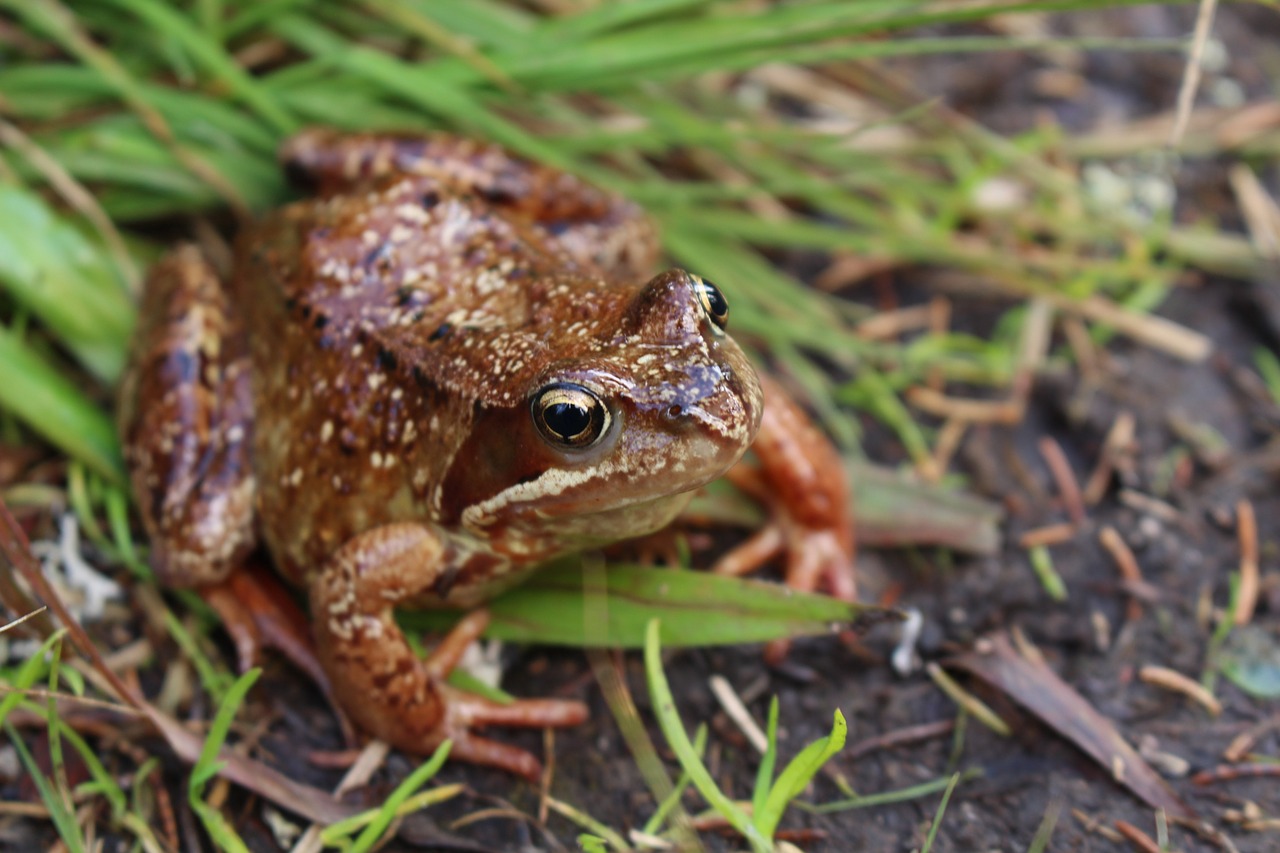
<point>1186,556</point>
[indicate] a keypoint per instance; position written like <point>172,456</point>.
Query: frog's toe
<point>466,711</point>
<point>470,710</point>
<point>818,558</point>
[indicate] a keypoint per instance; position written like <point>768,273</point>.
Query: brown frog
<point>448,367</point>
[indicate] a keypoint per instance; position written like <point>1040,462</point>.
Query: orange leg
<point>385,688</point>
<point>801,479</point>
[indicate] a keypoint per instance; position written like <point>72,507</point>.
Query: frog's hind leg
<point>381,683</point>
<point>186,421</point>
<point>593,227</point>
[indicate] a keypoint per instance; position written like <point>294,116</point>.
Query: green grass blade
<point>31,669</point>
<point>165,22</point>
<point>65,280</point>
<point>43,398</point>
<point>664,707</point>
<point>64,819</point>
<point>207,765</point>
<point>419,777</point>
<point>764,774</point>
<point>798,773</point>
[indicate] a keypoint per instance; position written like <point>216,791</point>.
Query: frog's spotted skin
<point>368,395</point>
<point>406,347</point>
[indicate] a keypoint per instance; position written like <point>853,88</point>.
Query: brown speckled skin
<point>360,398</point>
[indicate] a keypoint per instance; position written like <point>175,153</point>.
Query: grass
<point>751,132</point>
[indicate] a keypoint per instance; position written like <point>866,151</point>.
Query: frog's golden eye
<point>713,302</point>
<point>569,415</point>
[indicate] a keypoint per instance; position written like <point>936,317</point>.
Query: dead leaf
<point>1039,689</point>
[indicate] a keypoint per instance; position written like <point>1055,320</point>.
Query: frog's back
<point>379,324</point>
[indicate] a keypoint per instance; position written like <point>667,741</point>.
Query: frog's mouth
<point>585,527</point>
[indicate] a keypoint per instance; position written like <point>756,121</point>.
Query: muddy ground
<point>1185,557</point>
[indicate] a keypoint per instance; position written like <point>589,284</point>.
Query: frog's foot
<point>381,683</point>
<point>817,548</point>
<point>465,711</point>
<point>816,555</point>
<point>801,480</point>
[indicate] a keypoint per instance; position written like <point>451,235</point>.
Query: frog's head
<point>636,408</point>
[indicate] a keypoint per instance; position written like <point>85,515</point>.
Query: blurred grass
<point>754,133</point>
<point>175,110</point>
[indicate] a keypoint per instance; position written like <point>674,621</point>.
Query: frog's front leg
<point>801,478</point>
<point>378,679</point>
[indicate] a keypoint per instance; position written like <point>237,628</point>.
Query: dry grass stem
<point>949,438</point>
<point>33,810</point>
<point>1162,510</point>
<point>75,194</point>
<point>1208,129</point>
<point>962,409</point>
<point>898,737</point>
<point>1156,332</point>
<point>1169,679</point>
<point>1083,349</point>
<point>939,324</point>
<point>1139,839</point>
<point>1033,346</point>
<point>847,269</point>
<point>1243,742</point>
<point>1050,534</point>
<point>1092,824</point>
<point>1247,592</point>
<point>1064,477</point>
<point>1120,552</point>
<point>1261,214</point>
<point>1191,73</point>
<point>737,711</point>
<point>8,626</point>
<point>887,325</point>
<point>974,706</point>
<point>1117,446</point>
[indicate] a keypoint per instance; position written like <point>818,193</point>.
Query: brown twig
<point>1050,534</point>
<point>1247,591</point>
<point>975,411</point>
<point>1117,445</point>
<point>1169,679</point>
<point>899,737</point>
<point>1137,837</point>
<point>1191,72</point>
<point>1126,563</point>
<point>1243,742</point>
<point>1065,478</point>
<point>1228,772</point>
<point>949,438</point>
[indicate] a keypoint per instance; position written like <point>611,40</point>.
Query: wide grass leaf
<point>55,407</point>
<point>65,280</point>
<point>696,608</point>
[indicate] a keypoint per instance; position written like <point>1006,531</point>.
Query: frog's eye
<point>569,415</point>
<point>713,302</point>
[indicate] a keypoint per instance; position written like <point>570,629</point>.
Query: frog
<point>443,367</point>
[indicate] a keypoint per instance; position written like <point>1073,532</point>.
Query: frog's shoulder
<point>441,289</point>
